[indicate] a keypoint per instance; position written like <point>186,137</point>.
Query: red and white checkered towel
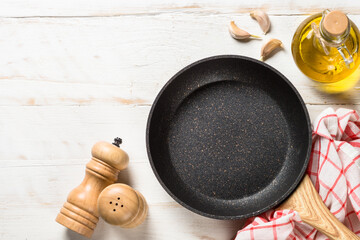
<point>334,169</point>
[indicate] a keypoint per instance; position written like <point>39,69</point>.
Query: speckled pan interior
<point>228,137</point>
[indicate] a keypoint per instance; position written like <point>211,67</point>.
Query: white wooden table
<point>73,73</point>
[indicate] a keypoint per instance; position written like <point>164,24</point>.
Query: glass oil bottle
<point>325,48</point>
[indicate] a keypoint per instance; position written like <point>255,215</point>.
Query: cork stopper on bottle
<point>335,23</point>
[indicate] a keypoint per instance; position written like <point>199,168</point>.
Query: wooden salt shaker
<point>80,212</point>
<point>119,204</point>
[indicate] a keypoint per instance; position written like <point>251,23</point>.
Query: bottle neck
<point>333,40</point>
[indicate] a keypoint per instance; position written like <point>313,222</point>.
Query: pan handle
<point>307,202</point>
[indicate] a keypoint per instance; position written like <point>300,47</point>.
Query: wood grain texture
<point>76,72</point>
<point>307,202</point>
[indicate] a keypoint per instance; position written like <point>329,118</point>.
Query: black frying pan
<point>229,137</point>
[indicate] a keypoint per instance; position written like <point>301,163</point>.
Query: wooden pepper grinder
<point>80,212</point>
<point>119,204</point>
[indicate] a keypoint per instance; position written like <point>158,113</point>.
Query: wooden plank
<point>46,134</point>
<point>21,8</point>
<point>60,136</point>
<point>92,61</point>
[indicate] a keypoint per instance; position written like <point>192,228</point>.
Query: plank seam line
<point>209,12</point>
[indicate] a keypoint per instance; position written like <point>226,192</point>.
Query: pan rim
<point>281,198</point>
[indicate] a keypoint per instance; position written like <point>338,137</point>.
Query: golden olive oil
<point>326,66</point>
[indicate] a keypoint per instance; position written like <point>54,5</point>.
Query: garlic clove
<point>239,33</point>
<point>262,18</point>
<point>269,47</point>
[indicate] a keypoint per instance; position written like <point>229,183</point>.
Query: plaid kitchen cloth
<point>334,169</point>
